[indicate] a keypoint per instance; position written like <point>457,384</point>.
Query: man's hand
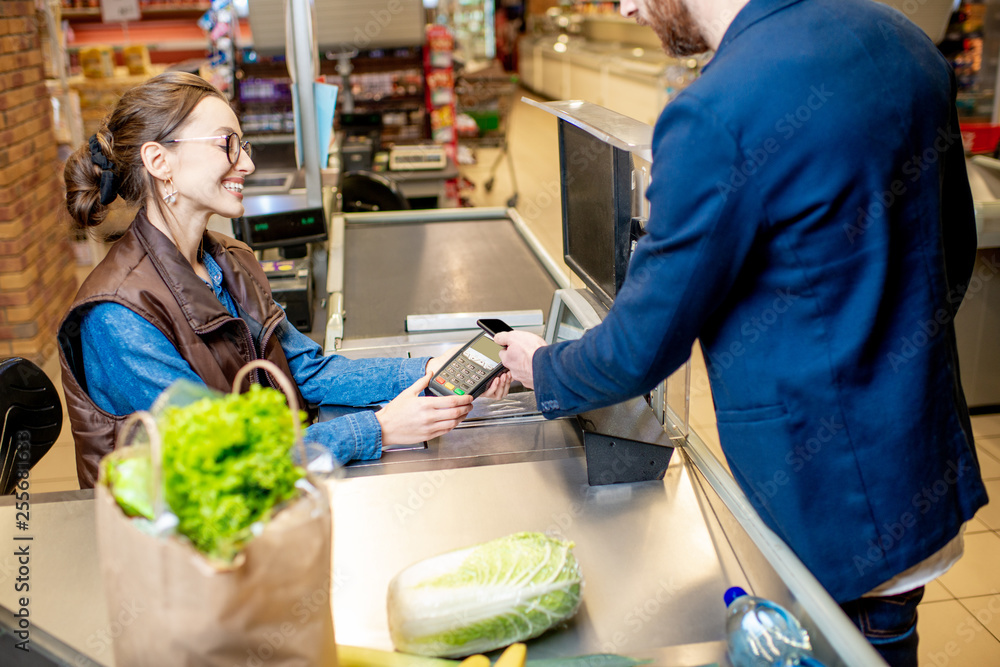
<point>411,418</point>
<point>521,347</point>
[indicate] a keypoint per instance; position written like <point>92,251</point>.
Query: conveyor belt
<point>395,270</point>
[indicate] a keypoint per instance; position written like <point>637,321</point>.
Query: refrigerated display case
<point>473,24</point>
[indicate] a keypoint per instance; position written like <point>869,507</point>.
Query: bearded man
<point>811,223</point>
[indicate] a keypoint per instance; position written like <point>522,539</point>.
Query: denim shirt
<point>127,363</point>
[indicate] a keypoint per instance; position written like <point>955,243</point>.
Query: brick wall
<point>37,265</point>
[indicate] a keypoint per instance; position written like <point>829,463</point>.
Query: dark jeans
<point>890,624</point>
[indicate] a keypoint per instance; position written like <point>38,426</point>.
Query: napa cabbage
<point>484,597</point>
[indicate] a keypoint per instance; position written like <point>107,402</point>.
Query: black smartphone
<point>472,368</point>
<point>492,327</point>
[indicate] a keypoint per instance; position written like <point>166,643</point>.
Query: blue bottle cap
<point>732,594</point>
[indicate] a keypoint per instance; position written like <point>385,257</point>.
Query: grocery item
<point>355,656</point>
<point>484,597</point>
<point>136,58</point>
<point>762,633</point>
<point>478,660</point>
<point>257,533</point>
<point>97,62</point>
<point>227,464</point>
<point>514,656</point>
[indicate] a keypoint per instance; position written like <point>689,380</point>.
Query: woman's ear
<point>155,159</point>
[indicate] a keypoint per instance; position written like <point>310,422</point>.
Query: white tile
<point>976,526</point>
<point>698,367</point>
<point>710,436</point>
<point>990,515</point>
<point>59,462</point>
<point>977,573</point>
<point>935,592</point>
<point>985,426</point>
<point>951,636</point>
<point>989,464</point>
<point>702,412</point>
<point>986,609</point>
<point>989,445</point>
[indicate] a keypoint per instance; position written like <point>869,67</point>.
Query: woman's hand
<point>499,386</point>
<point>411,418</point>
<point>435,364</point>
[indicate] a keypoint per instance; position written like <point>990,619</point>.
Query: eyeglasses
<point>233,145</point>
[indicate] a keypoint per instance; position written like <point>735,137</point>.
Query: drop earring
<point>171,196</point>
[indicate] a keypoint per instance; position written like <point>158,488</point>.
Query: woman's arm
<point>127,361</point>
<point>336,380</point>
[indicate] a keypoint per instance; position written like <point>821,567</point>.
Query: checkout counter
<point>656,553</point>
<point>978,319</point>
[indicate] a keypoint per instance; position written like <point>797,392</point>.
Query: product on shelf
<point>440,76</point>
<point>97,62</point>
<point>137,59</point>
<point>99,96</point>
<point>386,83</point>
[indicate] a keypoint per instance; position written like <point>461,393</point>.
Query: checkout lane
<point>656,554</point>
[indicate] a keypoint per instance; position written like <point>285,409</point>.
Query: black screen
<point>286,228</point>
<point>597,209</point>
<point>280,221</point>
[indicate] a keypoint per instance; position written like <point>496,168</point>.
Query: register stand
<point>656,554</point>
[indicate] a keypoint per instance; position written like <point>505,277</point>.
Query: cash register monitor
<point>596,208</point>
<point>284,221</point>
<point>290,223</point>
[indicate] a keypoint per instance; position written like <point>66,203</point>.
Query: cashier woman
<point>172,300</point>
<point>811,224</point>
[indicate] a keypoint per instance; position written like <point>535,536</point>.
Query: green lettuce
<point>227,463</point>
<point>484,597</point>
<point>129,480</point>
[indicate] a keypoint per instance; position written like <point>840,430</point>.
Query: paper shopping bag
<point>270,606</point>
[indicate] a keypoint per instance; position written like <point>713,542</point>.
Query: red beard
<point>673,24</point>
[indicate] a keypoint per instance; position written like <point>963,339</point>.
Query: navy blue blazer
<point>812,224</point>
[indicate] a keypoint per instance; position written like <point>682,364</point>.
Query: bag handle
<point>291,395</point>
<point>155,454</point>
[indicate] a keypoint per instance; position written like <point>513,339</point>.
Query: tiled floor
<point>960,616</point>
<point>959,622</point>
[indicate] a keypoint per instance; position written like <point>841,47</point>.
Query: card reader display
<point>470,371</point>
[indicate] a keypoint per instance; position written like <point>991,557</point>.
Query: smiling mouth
<point>236,188</point>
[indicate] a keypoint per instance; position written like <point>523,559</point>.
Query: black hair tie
<point>109,181</point>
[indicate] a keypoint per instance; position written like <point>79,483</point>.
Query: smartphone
<point>473,367</point>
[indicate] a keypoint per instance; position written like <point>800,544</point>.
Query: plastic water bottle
<point>762,633</point>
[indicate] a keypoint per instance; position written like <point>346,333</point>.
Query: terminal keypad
<point>465,372</point>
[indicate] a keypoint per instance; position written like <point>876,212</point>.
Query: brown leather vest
<point>146,273</point>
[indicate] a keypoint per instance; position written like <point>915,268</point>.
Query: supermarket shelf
<point>160,34</point>
<point>186,10</point>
